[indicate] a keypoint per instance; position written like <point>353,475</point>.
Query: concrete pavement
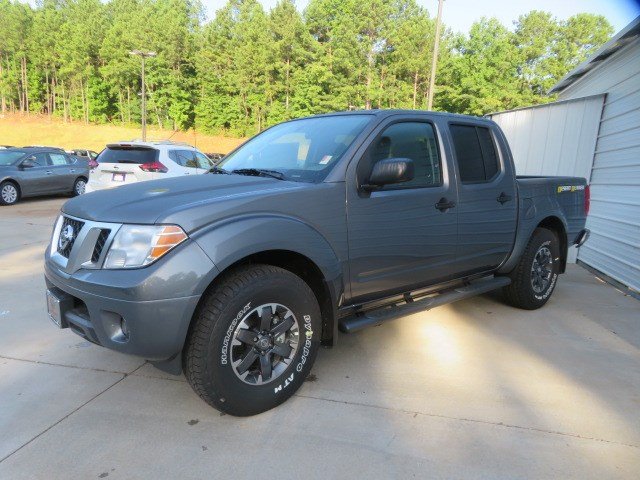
<point>475,389</point>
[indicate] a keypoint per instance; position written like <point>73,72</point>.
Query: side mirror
<point>28,163</point>
<point>390,171</point>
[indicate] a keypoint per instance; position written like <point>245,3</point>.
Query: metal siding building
<point>556,139</point>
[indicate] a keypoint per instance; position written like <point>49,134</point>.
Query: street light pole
<point>143,55</point>
<point>434,60</point>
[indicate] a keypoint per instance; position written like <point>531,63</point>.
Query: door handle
<point>443,204</point>
<point>49,172</point>
<point>72,170</point>
<point>503,198</point>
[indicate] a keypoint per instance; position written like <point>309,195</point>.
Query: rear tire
<point>535,277</point>
<point>253,340</point>
<point>9,193</point>
<point>79,186</point>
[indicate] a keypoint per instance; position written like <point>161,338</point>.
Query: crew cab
<point>327,223</point>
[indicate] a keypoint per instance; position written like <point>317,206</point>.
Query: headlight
<point>139,245</point>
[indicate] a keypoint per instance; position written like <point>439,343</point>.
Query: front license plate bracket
<point>58,303</point>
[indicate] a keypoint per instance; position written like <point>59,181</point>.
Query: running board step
<point>359,321</point>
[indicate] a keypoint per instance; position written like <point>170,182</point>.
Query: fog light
<point>115,326</point>
<point>125,329</point>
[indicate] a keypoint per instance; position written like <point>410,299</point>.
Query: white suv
<point>129,162</point>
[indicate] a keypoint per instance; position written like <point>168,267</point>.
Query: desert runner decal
<point>570,188</point>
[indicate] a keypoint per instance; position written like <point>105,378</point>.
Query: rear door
<point>185,160</point>
<point>63,172</point>
<point>487,204</point>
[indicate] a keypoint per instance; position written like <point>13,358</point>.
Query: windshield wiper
<point>259,172</point>
<point>218,170</point>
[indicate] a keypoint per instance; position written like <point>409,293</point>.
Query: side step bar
<point>372,318</point>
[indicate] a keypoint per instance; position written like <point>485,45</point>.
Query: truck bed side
<point>550,201</point>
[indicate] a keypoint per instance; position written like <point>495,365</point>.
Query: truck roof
<point>381,113</point>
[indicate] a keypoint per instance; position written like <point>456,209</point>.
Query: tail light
<point>92,163</point>
<point>155,167</point>
<point>587,199</point>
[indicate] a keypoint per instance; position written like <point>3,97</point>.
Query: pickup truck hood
<point>160,200</point>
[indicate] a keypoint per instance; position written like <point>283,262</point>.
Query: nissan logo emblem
<point>67,235</point>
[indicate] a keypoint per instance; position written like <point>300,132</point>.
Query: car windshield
<point>302,150</point>
<point>9,157</point>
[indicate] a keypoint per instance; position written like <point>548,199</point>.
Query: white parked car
<point>129,162</point>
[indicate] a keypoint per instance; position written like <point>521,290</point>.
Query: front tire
<point>253,340</point>
<point>535,277</point>
<point>9,193</point>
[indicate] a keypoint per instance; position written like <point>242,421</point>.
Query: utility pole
<point>434,60</point>
<point>143,55</point>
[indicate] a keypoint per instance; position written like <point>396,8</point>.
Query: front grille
<point>68,234</point>
<point>102,239</point>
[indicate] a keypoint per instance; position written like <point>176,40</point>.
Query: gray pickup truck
<point>333,222</point>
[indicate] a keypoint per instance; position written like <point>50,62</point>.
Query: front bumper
<point>144,312</point>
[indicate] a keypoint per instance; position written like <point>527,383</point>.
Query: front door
<point>401,236</point>
<point>487,203</point>
<point>37,177</point>
<point>204,162</point>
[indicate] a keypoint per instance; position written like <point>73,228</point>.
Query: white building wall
<point>614,220</point>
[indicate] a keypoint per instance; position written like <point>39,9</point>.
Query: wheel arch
<point>557,226</point>
<point>14,182</point>
<point>303,267</point>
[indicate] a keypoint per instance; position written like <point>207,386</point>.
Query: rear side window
<point>127,155</point>
<point>475,153</point>
<point>58,159</point>
<point>184,158</point>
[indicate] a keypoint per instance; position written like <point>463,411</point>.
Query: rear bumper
<point>582,237</point>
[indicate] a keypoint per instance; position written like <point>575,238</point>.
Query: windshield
<point>302,150</point>
<point>8,158</point>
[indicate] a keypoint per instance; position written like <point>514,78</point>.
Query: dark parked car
<point>338,221</point>
<point>87,155</point>
<point>26,172</point>
<point>57,149</point>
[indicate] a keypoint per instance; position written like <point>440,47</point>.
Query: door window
<point>58,159</point>
<point>475,153</point>
<point>413,140</point>
<point>41,159</point>
<point>184,158</point>
<point>203,161</point>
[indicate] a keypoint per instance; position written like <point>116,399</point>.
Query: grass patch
<point>20,130</point>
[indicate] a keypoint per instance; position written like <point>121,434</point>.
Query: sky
<point>460,14</point>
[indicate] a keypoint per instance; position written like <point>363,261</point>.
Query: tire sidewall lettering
<point>224,354</point>
<point>306,350</point>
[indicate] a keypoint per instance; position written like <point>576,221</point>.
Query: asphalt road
<point>470,390</point>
